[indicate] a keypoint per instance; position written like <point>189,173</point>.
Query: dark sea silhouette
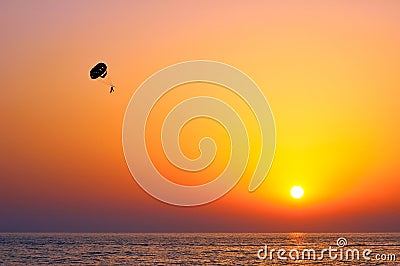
<point>189,248</point>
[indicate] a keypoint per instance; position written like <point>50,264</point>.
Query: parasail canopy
<point>99,70</point>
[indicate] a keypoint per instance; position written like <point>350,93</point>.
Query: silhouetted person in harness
<point>112,89</point>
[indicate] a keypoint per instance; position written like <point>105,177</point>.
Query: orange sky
<point>330,72</point>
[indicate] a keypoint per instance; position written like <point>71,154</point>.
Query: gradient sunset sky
<point>329,69</point>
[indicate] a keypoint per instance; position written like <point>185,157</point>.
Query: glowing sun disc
<point>297,192</point>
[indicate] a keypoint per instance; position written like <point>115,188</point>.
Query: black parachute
<point>99,70</point>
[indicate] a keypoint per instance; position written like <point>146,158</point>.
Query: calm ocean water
<point>194,249</point>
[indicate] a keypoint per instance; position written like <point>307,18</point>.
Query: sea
<point>199,249</point>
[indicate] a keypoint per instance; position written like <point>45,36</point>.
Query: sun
<point>297,192</point>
